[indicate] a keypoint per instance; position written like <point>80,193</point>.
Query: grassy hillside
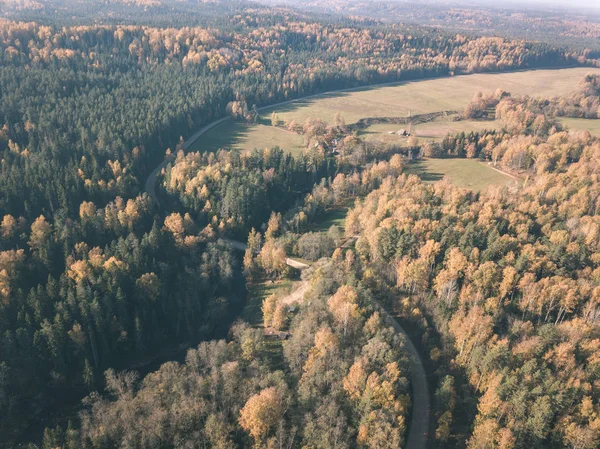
<point>468,173</point>
<point>398,100</point>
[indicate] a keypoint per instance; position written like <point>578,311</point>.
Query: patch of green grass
<point>242,136</point>
<point>415,97</point>
<point>433,131</point>
<point>468,173</point>
<point>419,97</point>
<point>252,312</point>
<point>592,125</point>
<point>274,351</point>
<point>330,218</point>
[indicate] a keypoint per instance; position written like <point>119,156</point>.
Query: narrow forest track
<point>418,430</point>
<point>296,295</point>
<point>510,175</point>
<point>151,181</point>
<point>421,401</point>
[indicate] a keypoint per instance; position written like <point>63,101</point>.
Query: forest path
<point>150,185</point>
<point>418,430</point>
<point>296,295</point>
<point>419,425</point>
<point>421,399</point>
<point>417,437</point>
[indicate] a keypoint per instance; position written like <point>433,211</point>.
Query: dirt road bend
<point>418,431</point>
<point>421,399</point>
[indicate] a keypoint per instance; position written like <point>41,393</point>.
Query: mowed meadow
<point>466,173</point>
<point>398,100</point>
<point>232,135</point>
<point>433,131</point>
<point>580,124</point>
<point>421,97</point>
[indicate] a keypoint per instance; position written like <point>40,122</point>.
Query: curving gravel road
<point>419,424</point>
<point>150,186</point>
<point>418,430</point>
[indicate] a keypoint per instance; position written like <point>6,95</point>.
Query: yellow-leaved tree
<point>262,412</point>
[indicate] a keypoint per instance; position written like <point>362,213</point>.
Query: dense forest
<point>555,24</point>
<point>95,278</point>
<point>501,285</point>
<point>507,279</point>
<point>347,375</point>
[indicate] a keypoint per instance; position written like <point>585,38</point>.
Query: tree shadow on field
<point>298,104</point>
<point>227,135</point>
<point>294,105</point>
<point>423,171</point>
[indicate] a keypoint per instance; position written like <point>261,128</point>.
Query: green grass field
<point>592,125</point>
<point>426,132</point>
<point>334,217</point>
<point>416,97</point>
<point>426,96</point>
<point>241,136</point>
<point>468,173</point>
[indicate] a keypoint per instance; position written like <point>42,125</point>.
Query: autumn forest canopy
<point>330,295</point>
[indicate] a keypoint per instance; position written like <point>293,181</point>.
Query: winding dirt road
<point>418,431</point>
<point>150,186</point>
<point>419,425</point>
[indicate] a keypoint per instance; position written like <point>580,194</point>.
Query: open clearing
<point>333,217</point>
<point>414,97</point>
<point>252,312</point>
<point>241,136</point>
<point>468,173</point>
<point>433,131</point>
<point>420,97</point>
<point>592,125</point>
